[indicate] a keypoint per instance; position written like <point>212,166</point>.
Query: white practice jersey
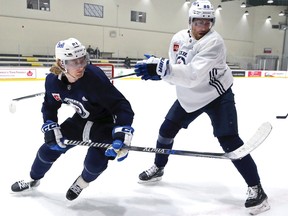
<point>198,69</point>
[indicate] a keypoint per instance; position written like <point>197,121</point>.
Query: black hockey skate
<point>151,175</point>
<point>76,188</point>
<point>257,200</point>
<point>20,186</point>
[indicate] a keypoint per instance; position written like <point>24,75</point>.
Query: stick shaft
<point>42,93</point>
<point>260,135</point>
<point>151,150</point>
<point>121,76</point>
<point>29,96</point>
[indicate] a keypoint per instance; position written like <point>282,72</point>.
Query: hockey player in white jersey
<point>197,67</point>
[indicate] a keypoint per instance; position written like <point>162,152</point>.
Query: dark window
<point>137,16</point>
<point>38,5</point>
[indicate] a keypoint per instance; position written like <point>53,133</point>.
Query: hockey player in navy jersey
<point>102,115</point>
<point>197,67</point>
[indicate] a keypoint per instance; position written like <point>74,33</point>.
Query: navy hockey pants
<point>76,128</point>
<point>223,115</point>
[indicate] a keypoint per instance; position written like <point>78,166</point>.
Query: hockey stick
<point>258,138</point>
<point>121,76</point>
<point>12,105</point>
<point>42,93</point>
<point>282,117</point>
<point>29,96</point>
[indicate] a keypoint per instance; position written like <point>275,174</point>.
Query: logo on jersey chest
<point>181,57</point>
<point>183,54</point>
<point>78,106</point>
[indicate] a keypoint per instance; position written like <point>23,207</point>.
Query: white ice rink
<point>191,186</point>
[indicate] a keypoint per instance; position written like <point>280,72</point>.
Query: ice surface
<point>191,186</point>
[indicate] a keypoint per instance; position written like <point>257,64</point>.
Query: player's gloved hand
<point>153,68</point>
<point>122,135</point>
<point>53,136</point>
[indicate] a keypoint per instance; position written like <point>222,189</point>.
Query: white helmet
<point>201,9</point>
<point>69,49</point>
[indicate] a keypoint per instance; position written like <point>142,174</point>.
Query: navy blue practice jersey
<point>93,96</point>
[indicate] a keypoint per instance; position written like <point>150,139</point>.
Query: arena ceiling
<point>251,3</point>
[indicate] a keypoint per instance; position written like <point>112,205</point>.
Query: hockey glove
<point>53,136</point>
<point>152,68</point>
<point>122,135</point>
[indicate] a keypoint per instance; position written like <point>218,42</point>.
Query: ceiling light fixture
<point>243,5</point>
<point>281,13</point>
<point>246,13</point>
<point>270,1</point>
<point>219,7</point>
<point>188,2</point>
<point>269,18</point>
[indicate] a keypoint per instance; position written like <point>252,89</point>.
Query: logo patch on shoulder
<point>56,96</point>
<point>84,98</point>
<point>175,47</point>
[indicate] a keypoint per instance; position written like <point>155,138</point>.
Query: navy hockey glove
<point>152,68</point>
<point>53,136</point>
<point>122,135</point>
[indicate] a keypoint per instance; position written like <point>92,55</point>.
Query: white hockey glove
<point>152,68</point>
<point>53,136</point>
<point>122,135</point>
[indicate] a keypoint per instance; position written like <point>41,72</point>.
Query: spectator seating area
<point>17,60</point>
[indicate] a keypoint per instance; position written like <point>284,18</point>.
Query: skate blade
<point>153,180</point>
<point>264,206</point>
<point>34,187</point>
<point>24,193</point>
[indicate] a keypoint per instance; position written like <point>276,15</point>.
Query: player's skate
<point>22,185</point>
<point>76,188</point>
<point>257,200</point>
<point>151,175</point>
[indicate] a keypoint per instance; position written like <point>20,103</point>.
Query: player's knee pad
<point>164,140</point>
<point>230,143</point>
<point>46,155</point>
<point>169,129</point>
<point>95,168</point>
<point>95,163</point>
<point>90,173</point>
<point>43,161</point>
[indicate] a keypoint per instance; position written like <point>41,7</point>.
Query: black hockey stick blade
<point>29,96</point>
<point>282,117</point>
<point>121,76</point>
<point>258,138</point>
